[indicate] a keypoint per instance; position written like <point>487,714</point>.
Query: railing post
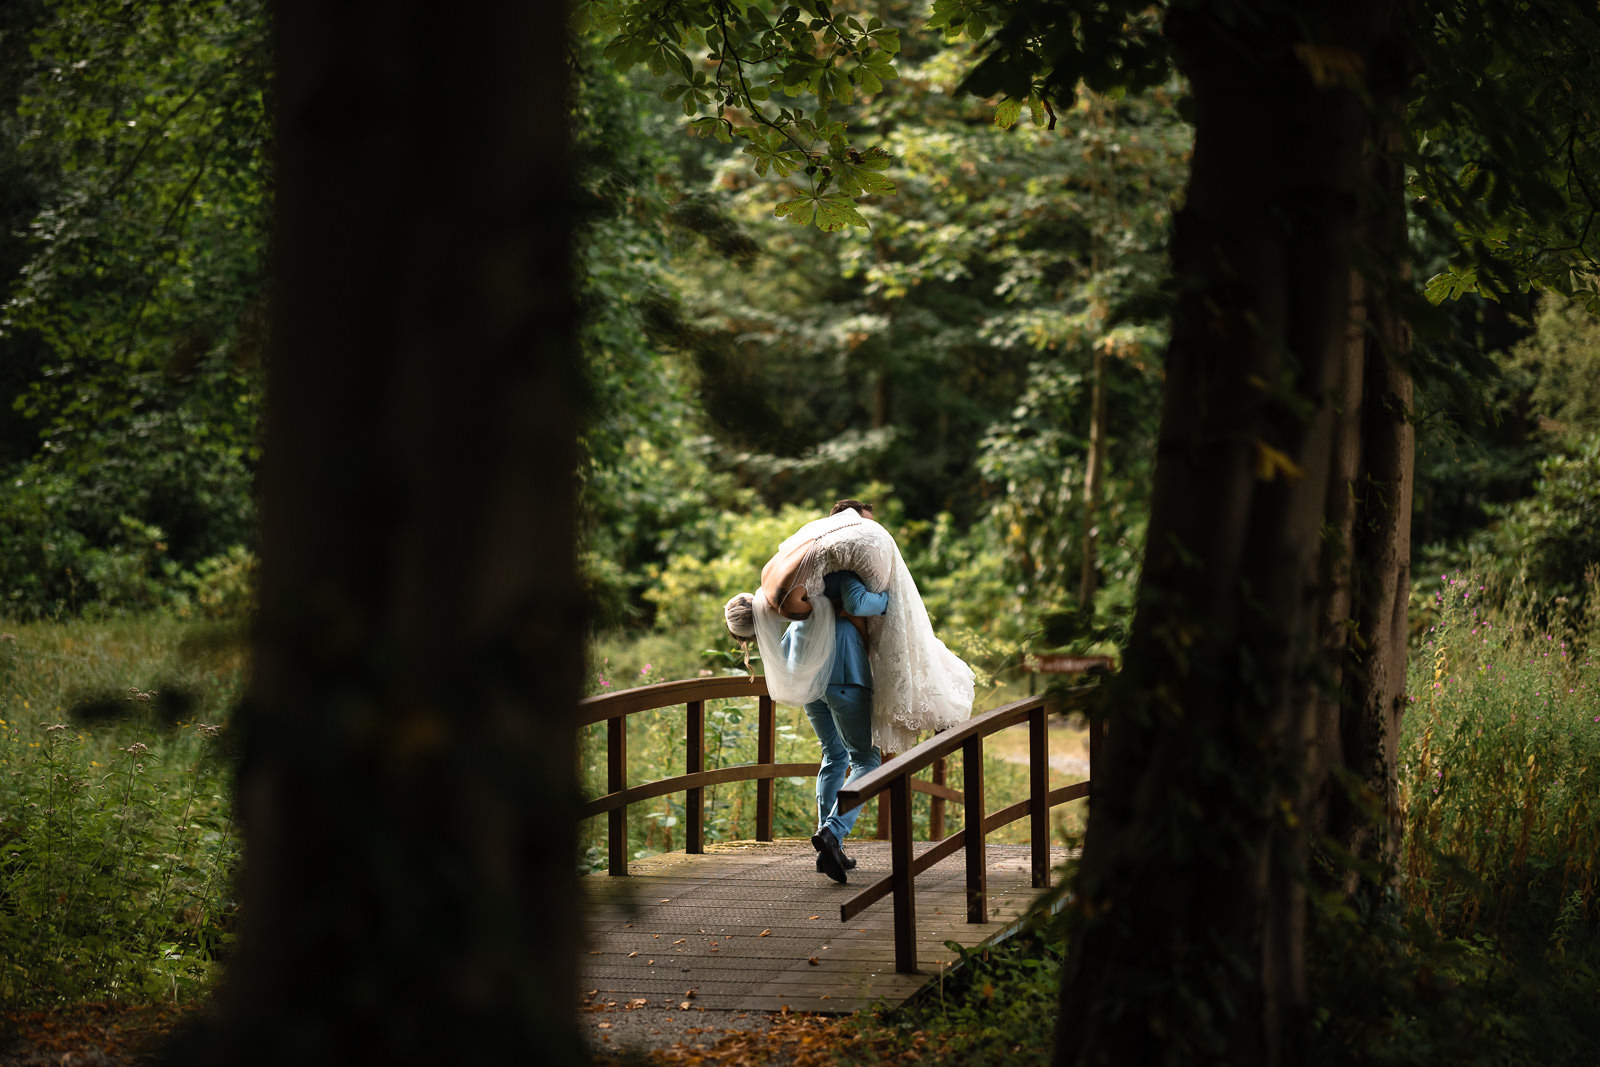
<point>766,754</point>
<point>903,880</point>
<point>694,761</point>
<point>1039,794</point>
<point>616,782</point>
<point>977,844</point>
<point>936,804</point>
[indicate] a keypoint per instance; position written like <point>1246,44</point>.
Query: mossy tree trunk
<point>407,780</point>
<point>1191,897</point>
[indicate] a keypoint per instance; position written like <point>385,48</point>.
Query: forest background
<point>950,361</point>
<point>943,360</point>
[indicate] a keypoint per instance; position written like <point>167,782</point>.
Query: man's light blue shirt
<point>850,665</point>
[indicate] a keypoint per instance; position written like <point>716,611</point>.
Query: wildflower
<point>51,728</point>
<point>94,763</point>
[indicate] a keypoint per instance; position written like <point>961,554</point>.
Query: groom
<point>842,716</point>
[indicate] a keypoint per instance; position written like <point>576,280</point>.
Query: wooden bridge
<point>751,926</point>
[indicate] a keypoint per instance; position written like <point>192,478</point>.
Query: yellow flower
<point>94,763</point>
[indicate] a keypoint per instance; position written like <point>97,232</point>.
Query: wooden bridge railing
<point>613,709</point>
<point>894,779</point>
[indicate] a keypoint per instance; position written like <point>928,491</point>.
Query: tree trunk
<point>407,779</point>
<point>1367,566</point>
<point>1190,901</point>
<point>1093,478</point>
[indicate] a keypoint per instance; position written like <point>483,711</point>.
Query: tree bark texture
<point>407,781</point>
<point>1367,557</point>
<point>1190,903</point>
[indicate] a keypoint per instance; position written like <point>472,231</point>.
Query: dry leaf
<point>680,940</point>
<point>809,917</point>
<point>650,963</point>
<point>691,993</point>
<point>637,1002</point>
<point>813,962</point>
<point>664,900</point>
<point>632,954</point>
<point>603,1026</point>
<point>684,1005</point>
<point>764,933</point>
<point>656,936</point>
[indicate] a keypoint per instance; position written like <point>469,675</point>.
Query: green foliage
<point>996,1007</point>
<point>117,846</point>
<point>140,306</point>
<point>1501,767</point>
<point>646,488</point>
<point>755,53</point>
<point>1503,147</point>
<point>690,590</point>
<point>1489,950</point>
<point>1042,54</point>
<point>1553,536</point>
<point>1556,370</point>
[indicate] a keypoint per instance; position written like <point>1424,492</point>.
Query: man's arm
<point>859,600</point>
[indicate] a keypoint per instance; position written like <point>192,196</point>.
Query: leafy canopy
<point>752,57</point>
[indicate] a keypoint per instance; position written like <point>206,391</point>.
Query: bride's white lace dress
<point>918,683</point>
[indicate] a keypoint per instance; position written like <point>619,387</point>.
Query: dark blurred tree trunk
<point>1191,897</point>
<point>406,786</point>
<point>1353,802</point>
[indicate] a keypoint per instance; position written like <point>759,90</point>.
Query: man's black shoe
<point>829,855</point>
<point>849,862</point>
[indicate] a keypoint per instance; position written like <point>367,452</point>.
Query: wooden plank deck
<point>752,926</point>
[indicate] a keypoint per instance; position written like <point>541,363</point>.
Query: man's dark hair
<point>860,506</point>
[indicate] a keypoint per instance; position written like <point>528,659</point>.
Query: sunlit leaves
<point>829,213</point>
<point>751,54</point>
<point>1504,147</point>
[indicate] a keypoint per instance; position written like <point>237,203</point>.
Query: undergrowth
<point>117,847</point>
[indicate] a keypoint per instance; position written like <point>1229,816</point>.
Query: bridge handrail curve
<point>657,695</point>
<point>945,742</point>
<point>895,777</point>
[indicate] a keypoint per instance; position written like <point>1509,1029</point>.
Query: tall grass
<point>117,848</point>
<point>1500,778</point>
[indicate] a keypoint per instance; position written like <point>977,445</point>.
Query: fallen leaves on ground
<point>106,1034</point>
<point>796,1040</point>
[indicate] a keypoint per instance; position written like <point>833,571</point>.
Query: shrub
<point>1553,536</point>
<point>117,846</point>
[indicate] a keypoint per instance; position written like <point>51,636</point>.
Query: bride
<point>918,683</point>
